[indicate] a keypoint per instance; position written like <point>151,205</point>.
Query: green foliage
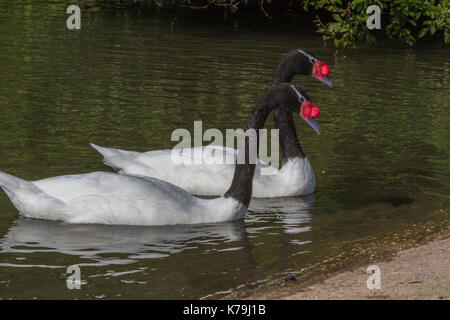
<point>403,20</point>
<point>438,18</point>
<point>342,21</point>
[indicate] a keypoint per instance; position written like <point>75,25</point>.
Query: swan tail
<point>106,152</point>
<point>116,158</point>
<point>10,182</point>
<point>30,200</point>
<point>109,155</point>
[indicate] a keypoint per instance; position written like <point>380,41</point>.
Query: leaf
<point>432,29</point>
<point>337,17</point>
<point>423,32</point>
<point>412,22</point>
<point>356,2</point>
<point>158,3</point>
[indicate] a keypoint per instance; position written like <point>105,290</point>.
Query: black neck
<point>241,186</point>
<point>289,144</point>
<point>285,71</point>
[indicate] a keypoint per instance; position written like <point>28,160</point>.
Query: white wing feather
<point>211,177</point>
<point>109,198</point>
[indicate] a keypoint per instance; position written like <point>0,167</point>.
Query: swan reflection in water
<point>94,241</point>
<point>293,213</point>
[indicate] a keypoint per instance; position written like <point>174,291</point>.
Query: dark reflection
<point>399,201</point>
<point>190,261</point>
<point>91,241</point>
<point>290,205</point>
<point>139,242</point>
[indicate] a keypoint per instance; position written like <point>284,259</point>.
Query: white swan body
<point>212,178</point>
<point>109,198</point>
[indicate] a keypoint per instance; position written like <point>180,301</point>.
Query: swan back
<point>108,198</point>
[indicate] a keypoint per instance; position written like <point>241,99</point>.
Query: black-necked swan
<point>296,176</point>
<point>110,198</point>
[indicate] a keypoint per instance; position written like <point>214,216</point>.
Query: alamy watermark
<point>374,21</point>
<point>186,152</point>
<point>74,280</point>
<point>374,280</point>
<point>73,22</point>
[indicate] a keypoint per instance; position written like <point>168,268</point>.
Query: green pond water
<point>127,81</point>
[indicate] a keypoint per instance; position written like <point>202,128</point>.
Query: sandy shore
<point>421,272</point>
<point>416,273</point>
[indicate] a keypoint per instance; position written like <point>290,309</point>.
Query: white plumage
<point>109,198</point>
<point>213,176</point>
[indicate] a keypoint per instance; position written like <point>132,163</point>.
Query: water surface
<point>128,81</point>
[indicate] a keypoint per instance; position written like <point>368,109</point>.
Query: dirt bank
<point>420,272</point>
<point>416,273</point>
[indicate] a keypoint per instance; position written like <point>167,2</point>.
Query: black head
<point>294,98</point>
<point>302,62</point>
